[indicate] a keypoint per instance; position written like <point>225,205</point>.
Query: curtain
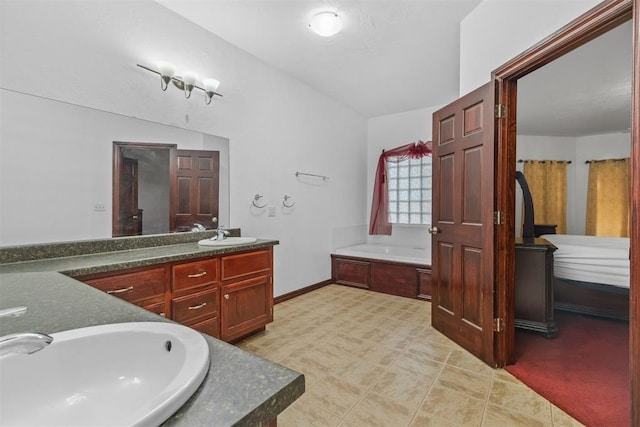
<point>379,222</point>
<point>547,181</point>
<point>608,198</point>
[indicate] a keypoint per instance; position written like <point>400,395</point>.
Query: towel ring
<point>285,200</point>
<point>256,199</point>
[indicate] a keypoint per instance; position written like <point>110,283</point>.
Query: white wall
<point>578,150</point>
<point>85,54</point>
<point>389,132</point>
<point>498,30</point>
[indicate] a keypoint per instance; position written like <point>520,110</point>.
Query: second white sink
<point>120,374</point>
<point>229,241</point>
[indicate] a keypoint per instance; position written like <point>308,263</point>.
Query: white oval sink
<point>229,241</point>
<point>119,374</point>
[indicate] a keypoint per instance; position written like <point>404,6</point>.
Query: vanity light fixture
<point>187,82</point>
<point>326,24</point>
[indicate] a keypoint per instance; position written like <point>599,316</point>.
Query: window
<point>409,183</point>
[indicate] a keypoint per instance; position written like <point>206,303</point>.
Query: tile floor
<point>371,359</point>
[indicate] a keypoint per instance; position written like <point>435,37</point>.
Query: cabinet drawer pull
<point>163,314</point>
<point>226,296</point>
<point>197,307</point>
<point>195,276</point>
<point>120,291</point>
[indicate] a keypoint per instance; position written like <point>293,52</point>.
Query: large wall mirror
<point>56,166</point>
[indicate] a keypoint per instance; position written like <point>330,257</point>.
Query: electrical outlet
<point>99,207</point>
<point>271,211</point>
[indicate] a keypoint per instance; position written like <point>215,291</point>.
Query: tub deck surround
<point>240,389</point>
<point>393,270</point>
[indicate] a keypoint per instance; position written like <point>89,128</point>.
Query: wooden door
<point>196,184</point>
<point>463,207</point>
<point>128,223</point>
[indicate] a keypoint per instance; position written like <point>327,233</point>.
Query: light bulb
<point>167,70</point>
<point>189,78</point>
<point>326,24</point>
<point>210,85</point>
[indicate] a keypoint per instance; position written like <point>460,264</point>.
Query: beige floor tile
<point>520,398</point>
<point>405,388</point>
<point>376,411</point>
<point>302,413</point>
<point>465,360</point>
<point>453,406</point>
<point>334,395</point>
<point>416,364</point>
<point>426,420</point>
<point>562,419</point>
<point>464,381</point>
<point>431,350</point>
<point>373,359</point>
<point>497,416</point>
<point>361,374</point>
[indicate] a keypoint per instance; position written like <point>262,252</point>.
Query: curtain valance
<point>379,222</point>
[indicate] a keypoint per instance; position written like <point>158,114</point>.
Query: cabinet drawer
<point>157,308</point>
<point>194,274</point>
<point>210,327</point>
<point>191,308</point>
<point>133,287</point>
<point>234,266</point>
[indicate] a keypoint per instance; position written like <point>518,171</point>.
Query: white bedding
<point>591,259</point>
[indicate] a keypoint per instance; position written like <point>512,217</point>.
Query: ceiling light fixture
<point>186,82</point>
<point>326,24</point>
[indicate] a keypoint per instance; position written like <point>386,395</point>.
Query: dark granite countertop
<point>101,262</point>
<point>240,389</point>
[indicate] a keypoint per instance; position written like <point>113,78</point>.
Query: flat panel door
<point>463,205</point>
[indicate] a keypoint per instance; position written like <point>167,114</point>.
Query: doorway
<point>141,189</point>
<point>597,21</point>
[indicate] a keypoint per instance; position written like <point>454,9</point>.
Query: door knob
<point>226,296</point>
<point>434,230</point>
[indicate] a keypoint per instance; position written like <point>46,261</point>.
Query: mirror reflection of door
<point>129,216</point>
<point>197,189</point>
<point>174,188</point>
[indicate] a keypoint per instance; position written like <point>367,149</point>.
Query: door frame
<point>600,19</point>
<point>118,150</point>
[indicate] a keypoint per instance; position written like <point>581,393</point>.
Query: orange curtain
<point>608,198</point>
<point>547,180</point>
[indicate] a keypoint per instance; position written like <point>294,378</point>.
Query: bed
<point>591,275</point>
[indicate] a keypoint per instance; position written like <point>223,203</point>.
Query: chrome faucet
<point>198,227</point>
<point>24,343</point>
<point>222,234</point>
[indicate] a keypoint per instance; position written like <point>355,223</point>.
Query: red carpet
<point>585,371</point>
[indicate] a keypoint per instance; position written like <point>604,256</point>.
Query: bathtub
<point>395,270</point>
<point>403,254</point>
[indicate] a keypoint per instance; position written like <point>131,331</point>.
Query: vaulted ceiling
<point>397,56</point>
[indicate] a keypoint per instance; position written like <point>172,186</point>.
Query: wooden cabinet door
<point>463,206</point>
<point>246,306</point>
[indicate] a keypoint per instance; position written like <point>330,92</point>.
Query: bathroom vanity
<point>225,291</point>
<point>225,296</point>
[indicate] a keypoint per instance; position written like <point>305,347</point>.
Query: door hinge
<point>498,324</point>
<point>500,111</point>
<point>498,217</point>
